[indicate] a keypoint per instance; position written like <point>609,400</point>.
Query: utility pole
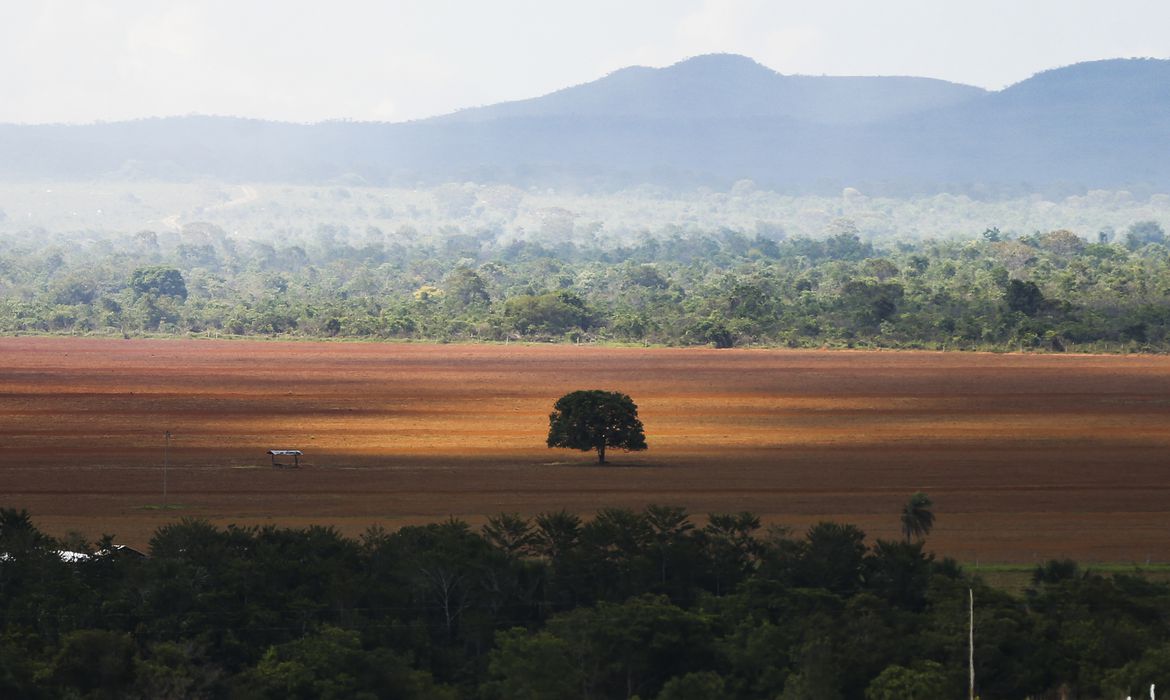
<point>971,641</point>
<point>166,463</point>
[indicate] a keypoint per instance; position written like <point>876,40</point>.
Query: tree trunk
<point>601,453</point>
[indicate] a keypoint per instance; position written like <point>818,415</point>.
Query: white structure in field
<point>295,454</point>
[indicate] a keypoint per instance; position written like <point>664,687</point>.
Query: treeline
<point>627,604</point>
<point>1051,291</point>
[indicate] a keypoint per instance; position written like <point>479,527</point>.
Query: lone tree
<point>595,420</point>
<point>917,518</point>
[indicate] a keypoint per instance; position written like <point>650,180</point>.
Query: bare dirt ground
<point>1027,457</point>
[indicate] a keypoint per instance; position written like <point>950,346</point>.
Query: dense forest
<point>627,604</point>
<point>1049,290</point>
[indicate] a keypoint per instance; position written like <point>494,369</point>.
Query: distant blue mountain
<point>708,120</point>
<point>726,86</point>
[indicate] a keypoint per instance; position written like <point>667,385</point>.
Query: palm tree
<point>510,533</point>
<point>917,518</point>
<point>556,533</point>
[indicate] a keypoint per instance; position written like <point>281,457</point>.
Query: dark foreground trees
<point>648,603</point>
<point>595,420</point>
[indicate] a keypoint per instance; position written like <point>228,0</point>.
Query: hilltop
<point>727,86</point>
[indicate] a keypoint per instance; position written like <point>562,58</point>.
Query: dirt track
<point>1026,457</point>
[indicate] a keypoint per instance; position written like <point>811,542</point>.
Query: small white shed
<point>295,454</point>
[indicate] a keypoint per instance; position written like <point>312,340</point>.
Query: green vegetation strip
<point>1056,290</point>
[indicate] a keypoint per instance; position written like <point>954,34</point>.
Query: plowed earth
<point>1027,457</point>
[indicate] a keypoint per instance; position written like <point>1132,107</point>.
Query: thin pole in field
<point>971,642</point>
<point>166,463</point>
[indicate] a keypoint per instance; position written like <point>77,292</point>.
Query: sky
<point>396,60</point>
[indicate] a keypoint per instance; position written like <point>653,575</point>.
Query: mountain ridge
<point>709,120</point>
<point>723,85</point>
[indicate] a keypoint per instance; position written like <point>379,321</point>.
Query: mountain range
<point>709,120</point>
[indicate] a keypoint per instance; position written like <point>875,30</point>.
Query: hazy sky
<point>392,60</point>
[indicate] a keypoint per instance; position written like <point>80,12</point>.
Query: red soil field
<point>1027,457</point>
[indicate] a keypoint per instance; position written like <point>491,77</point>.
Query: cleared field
<point>1026,457</point>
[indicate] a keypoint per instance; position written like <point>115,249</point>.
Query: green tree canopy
<point>926,681</point>
<point>555,312</point>
<point>595,420</point>
<point>1143,233</point>
<point>158,280</point>
<point>466,288</point>
<point>1024,297</point>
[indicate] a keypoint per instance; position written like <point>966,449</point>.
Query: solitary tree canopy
<point>595,420</point>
